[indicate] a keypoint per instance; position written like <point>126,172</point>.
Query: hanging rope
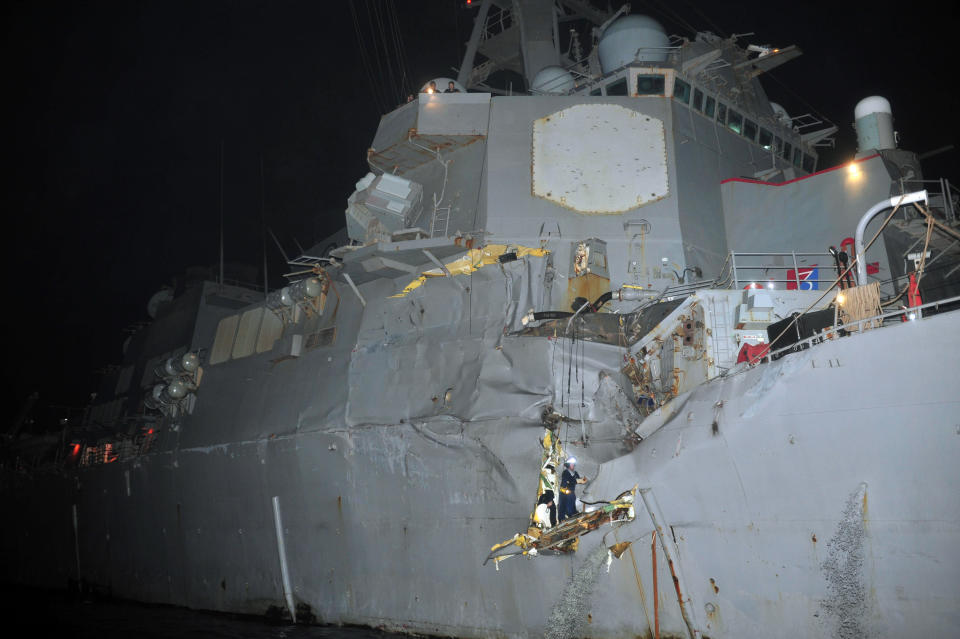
<point>853,263</point>
<point>931,222</point>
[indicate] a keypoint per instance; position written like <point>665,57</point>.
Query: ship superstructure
<point>637,257</point>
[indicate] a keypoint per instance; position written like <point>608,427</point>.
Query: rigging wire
<point>402,61</point>
<point>376,48</point>
<point>391,30</point>
<point>674,17</point>
<point>800,98</point>
<point>384,46</point>
<point>921,270</point>
<point>720,32</point>
<point>383,54</point>
<point>365,60</point>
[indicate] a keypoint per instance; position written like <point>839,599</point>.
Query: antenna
<point>221,213</point>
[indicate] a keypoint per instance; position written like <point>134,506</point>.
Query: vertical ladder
<point>439,226</point>
<point>721,333</point>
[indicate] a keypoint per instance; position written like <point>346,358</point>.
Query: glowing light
<point>430,91</point>
<point>76,449</point>
<point>853,170</point>
<point>841,298</point>
<point>769,284</point>
<point>912,316</point>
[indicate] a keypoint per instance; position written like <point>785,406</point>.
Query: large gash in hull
<point>351,446</point>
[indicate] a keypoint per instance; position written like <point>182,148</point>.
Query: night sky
<point>116,112</point>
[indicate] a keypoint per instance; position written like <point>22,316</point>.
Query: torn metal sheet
<point>474,260</point>
<point>606,328</point>
<point>565,535</point>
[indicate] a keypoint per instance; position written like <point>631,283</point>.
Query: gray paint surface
<point>814,495</point>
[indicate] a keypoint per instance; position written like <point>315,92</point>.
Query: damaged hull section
<point>585,271</point>
<point>831,539</point>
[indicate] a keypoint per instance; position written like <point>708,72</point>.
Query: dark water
<point>39,613</point>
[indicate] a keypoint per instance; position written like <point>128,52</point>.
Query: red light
<point>150,432</point>
<point>76,450</point>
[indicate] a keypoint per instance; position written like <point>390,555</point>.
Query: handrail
<point>737,269</point>
<point>892,202</point>
<point>859,323</point>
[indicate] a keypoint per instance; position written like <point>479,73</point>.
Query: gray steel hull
<point>825,504</point>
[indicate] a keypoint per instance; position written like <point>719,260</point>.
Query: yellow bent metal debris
<point>475,259</point>
<point>567,534</point>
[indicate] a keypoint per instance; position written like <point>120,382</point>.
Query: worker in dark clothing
<point>545,514</point>
<point>568,489</point>
<point>452,88</point>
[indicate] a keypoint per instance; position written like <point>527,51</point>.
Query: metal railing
<point>833,332</point>
<point>228,281</point>
<point>940,188</point>
<point>744,269</point>
<point>498,20</point>
<point>119,449</point>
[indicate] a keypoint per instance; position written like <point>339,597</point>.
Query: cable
<point>711,23</point>
<point>799,97</point>
<point>853,262</point>
<point>931,221</point>
<point>383,58</point>
<point>366,63</point>
<point>401,50</point>
<point>603,299</point>
<point>671,15</point>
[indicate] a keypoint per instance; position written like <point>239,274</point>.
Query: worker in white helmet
<point>568,489</point>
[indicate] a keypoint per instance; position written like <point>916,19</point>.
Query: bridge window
<point>596,91</point>
<point>681,91</point>
<point>787,151</point>
<point>777,144</point>
<point>735,121</point>
<point>709,107</point>
<point>270,331</point>
<point>809,163</point>
<point>617,88</point>
<point>721,113</point>
<point>246,338</point>
<point>650,85</point>
<point>766,139</point>
<point>798,157</point>
<point>223,341</point>
<point>698,99</point>
<point>750,130</point>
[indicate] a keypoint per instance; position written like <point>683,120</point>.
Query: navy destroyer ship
<point>637,261</point>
